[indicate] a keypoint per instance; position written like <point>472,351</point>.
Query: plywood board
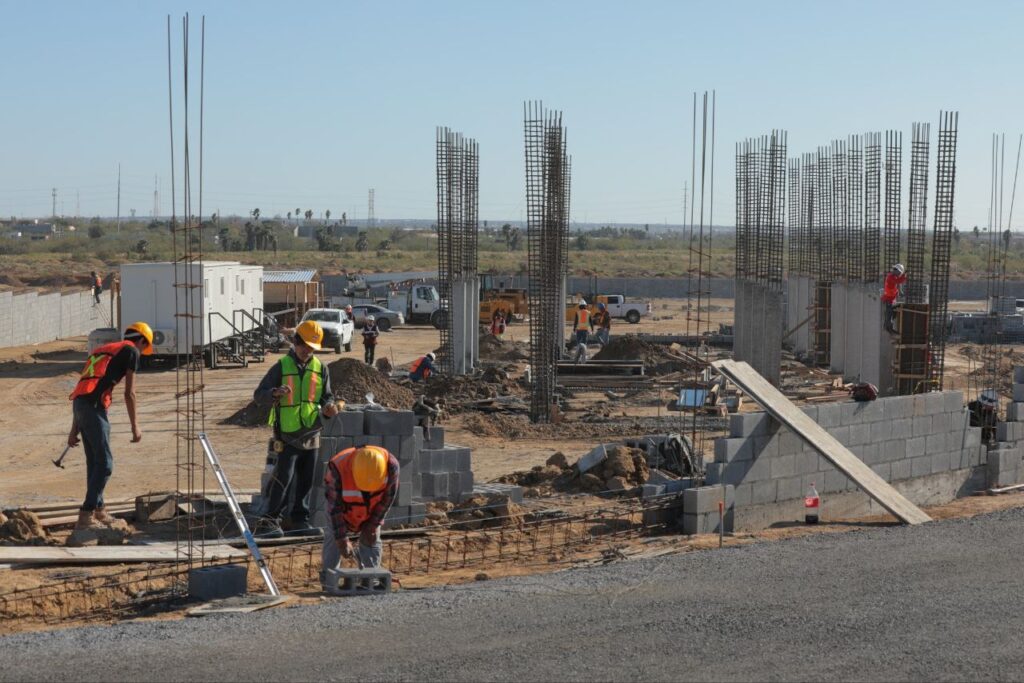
<point>108,554</point>
<point>783,410</point>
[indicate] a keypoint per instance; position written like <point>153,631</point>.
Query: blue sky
<point>310,104</point>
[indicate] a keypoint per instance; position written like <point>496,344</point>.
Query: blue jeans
<point>294,469</point>
<point>602,336</point>
<point>94,428</point>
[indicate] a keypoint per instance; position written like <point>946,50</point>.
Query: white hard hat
<point>989,397</point>
<point>899,268</point>
<point>370,318</point>
<point>430,356</point>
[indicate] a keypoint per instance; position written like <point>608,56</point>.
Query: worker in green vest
<point>299,388</point>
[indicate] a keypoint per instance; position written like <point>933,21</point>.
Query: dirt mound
<point>351,380</point>
<point>623,469</point>
<point>453,392</point>
<point>485,512</point>
<point>251,415</point>
<point>657,359</point>
<point>21,527</point>
<point>492,348</point>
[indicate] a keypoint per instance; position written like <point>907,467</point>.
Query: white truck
<point>618,307</point>
<point>419,304</point>
<point>337,327</point>
<point>219,302</point>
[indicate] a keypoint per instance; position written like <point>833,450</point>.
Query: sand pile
<point>351,380</point>
<point>623,469</point>
<point>21,527</point>
<point>485,512</point>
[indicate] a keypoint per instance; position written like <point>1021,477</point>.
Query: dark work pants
<point>368,353</point>
<point>890,316</point>
<point>294,468</point>
<point>94,428</point>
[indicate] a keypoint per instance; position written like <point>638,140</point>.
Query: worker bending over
<point>370,334</point>
<point>893,281</point>
<point>603,323</point>
<point>421,368</point>
<point>360,485</point>
<point>583,324</point>
<point>106,366</point>
<point>299,386</point>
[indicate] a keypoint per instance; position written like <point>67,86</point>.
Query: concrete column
<point>774,318</point>
<point>838,340</point>
<point>474,324</point>
<point>458,323</point>
<point>738,321</point>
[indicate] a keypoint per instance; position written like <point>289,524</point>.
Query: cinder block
<point>729,450</point>
<point>929,404</point>
<point>979,456</point>
<point>348,423</point>
<point>218,582</point>
<point>790,443</point>
<point>514,493</point>
<point>807,462</point>
<point>893,450</point>
<point>418,438</point>
<point>743,494</point>
<point>1015,412</point>
<point>897,407</point>
<point>434,437</point>
<point>749,424</point>
<point>935,443</point>
<point>765,447</point>
<point>1018,374</point>
<point>829,415</point>
<point>764,492</point>
<point>435,485</point>
<point>811,412</point>
<point>355,582</point>
<point>1018,393</point>
<point>921,467</point>
<point>900,470</point>
<point>850,413</point>
<point>649,491</point>
<point>432,460</point>
<point>881,431</point>
<point>404,493</point>
<point>783,466</point>
<point>407,448</point>
<point>367,440</point>
<point>859,434</point>
<point>868,453</point>
<point>921,426</point>
<point>713,472</point>
<point>790,488</point>
<point>972,437</point>
<point>1003,468</point>
<point>706,498</point>
<point>1010,431</point>
<point>389,422</point>
<point>883,469</point>
<point>953,401</point>
<point>915,447</point>
<point>707,523</point>
<point>393,444</point>
<point>835,481</point>
<point>902,428</point>
<point>841,434</point>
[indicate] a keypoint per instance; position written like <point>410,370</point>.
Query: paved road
<point>941,601</point>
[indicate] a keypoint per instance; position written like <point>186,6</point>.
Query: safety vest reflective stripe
<point>357,508</point>
<point>583,319</point>
<point>416,365</point>
<point>314,388</point>
<point>347,493</point>
<point>95,368</point>
<point>298,409</point>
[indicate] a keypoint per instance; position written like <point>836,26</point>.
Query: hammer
<point>59,462</point>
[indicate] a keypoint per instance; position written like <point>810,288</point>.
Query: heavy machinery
<point>494,296</point>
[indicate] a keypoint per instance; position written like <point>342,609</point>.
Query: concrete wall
<point>799,293</point>
<point>758,327</point>
<point>923,444</point>
<point>33,317</point>
<point>861,349</point>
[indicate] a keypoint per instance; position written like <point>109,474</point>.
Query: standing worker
<point>92,396</point>
<point>603,322</point>
<point>893,281</point>
<point>584,325</point>
<point>97,288</point>
<point>421,368</point>
<point>360,485</point>
<point>370,334</point>
<point>299,385</point>
<point>348,312</point>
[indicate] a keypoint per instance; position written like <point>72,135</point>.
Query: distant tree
<point>298,212</point>
<point>255,214</point>
<point>309,214</point>
<point>344,218</point>
<point>95,231</point>
<point>582,242</point>
<point>956,235</point>
<point>141,247</point>
<point>506,231</point>
<point>328,214</point>
<point>289,216</point>
<point>362,243</point>
<point>977,233</point>
<point>515,239</point>
<point>223,238</point>
<point>1006,238</point>
<point>250,236</point>
<point>384,246</point>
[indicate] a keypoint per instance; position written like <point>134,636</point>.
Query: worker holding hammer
<point>104,369</point>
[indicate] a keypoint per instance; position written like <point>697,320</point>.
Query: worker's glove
<point>368,537</point>
<point>345,546</point>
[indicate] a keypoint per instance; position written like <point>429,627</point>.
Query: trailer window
<point>243,286</point>
<point>206,287</point>
<point>222,285</point>
<point>261,285</point>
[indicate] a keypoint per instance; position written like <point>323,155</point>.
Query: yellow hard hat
<point>311,334</point>
<point>370,469</point>
<point>146,331</point>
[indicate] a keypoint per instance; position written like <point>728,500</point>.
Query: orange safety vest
<point>416,366</point>
<point>358,504</point>
<point>582,319</point>
<point>95,368</point>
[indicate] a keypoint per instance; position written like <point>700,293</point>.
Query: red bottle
<point>812,503</point>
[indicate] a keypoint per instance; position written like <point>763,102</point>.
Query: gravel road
<point>938,602</point>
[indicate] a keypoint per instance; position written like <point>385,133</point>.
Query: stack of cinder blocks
<point>900,437</point>
<point>1005,466</point>
<point>701,514</point>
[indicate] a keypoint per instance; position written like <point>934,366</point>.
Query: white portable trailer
<point>207,302</point>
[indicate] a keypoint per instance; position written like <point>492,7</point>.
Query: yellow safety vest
<point>299,408</point>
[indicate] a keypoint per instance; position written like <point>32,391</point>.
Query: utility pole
<point>156,197</point>
<point>53,193</point>
<point>78,203</point>
<point>369,210</point>
<point>119,198</point>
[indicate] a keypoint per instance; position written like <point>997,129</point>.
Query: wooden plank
<point>783,410</point>
<point>108,554</point>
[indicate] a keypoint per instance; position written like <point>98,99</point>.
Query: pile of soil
<point>21,527</point>
<point>492,348</point>
<point>657,359</point>
<point>251,415</point>
<point>485,512</point>
<point>454,391</point>
<point>623,469</point>
<point>351,380</point>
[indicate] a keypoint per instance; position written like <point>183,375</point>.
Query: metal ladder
<point>236,512</point>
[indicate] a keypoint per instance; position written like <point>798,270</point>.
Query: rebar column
<point>917,215</point>
<point>945,179</point>
<point>855,210</point>
<point>893,192</point>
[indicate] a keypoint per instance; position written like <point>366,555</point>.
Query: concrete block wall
<point>1005,465</point>
<point>33,317</point>
<point>900,438</point>
<point>758,329</point>
<point>861,349</point>
<point>430,470</point>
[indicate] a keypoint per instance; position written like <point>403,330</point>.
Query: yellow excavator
<point>495,296</point>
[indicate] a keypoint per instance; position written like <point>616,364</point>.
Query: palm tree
<point>289,216</point>
<point>328,214</point>
<point>309,214</point>
<point>298,212</point>
<point>256,214</point>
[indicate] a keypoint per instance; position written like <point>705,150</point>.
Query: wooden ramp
<point>109,554</point>
<point>783,410</point>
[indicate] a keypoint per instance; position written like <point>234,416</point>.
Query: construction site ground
<point>502,442</point>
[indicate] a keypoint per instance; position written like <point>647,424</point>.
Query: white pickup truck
<point>618,307</point>
<point>338,329</point>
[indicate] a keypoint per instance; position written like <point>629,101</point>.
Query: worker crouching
<point>360,485</point>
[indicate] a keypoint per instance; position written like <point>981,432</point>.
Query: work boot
<point>102,516</point>
<point>85,520</point>
<point>267,527</point>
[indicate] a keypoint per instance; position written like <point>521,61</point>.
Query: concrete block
<point>953,401</point>
<point>713,472</point>
<point>783,466</point>
<point>881,431</point>
<point>883,469</point>
<point>367,440</point>
<point>935,443</point>
<point>418,438</point>
<point>749,424</point>
<point>1015,412</point>
<point>916,447</point>
<point>808,462</point>
<point>961,459</point>
<point>811,412</point>
<point>940,462</point>
<point>829,415</point>
<point>921,467</point>
<point>841,434</point>
<point>901,428</point>
<point>897,407</point>
<point>464,460</point>
<point>790,489</point>
<point>929,404</point>
<point>514,493</point>
<point>434,437</point>
<point>393,444</point>
<point>435,485</point>
<point>972,437</point>
<point>1018,393</point>
<point>389,422</point>
<point>835,481</point>
<point>743,494</point>
<point>765,447</point>
<point>979,456</point>
<point>764,492</point>
<point>900,469</point>
<point>729,450</point>
<point>868,453</point>
<point>347,423</point>
<point>1003,468</point>
<point>1018,374</point>
<point>789,442</point>
<point>218,582</point>
<point>433,460</point>
<point>594,457</point>
<point>921,426</point>
<point>1010,431</point>
<point>707,523</point>
<point>404,493</point>
<point>706,499</point>
<point>407,448</point>
<point>894,450</point>
<point>849,413</point>
<point>859,434</point>
<point>648,491</point>
<point>354,582</point>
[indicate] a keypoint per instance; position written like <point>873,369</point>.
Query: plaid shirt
<point>336,505</point>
